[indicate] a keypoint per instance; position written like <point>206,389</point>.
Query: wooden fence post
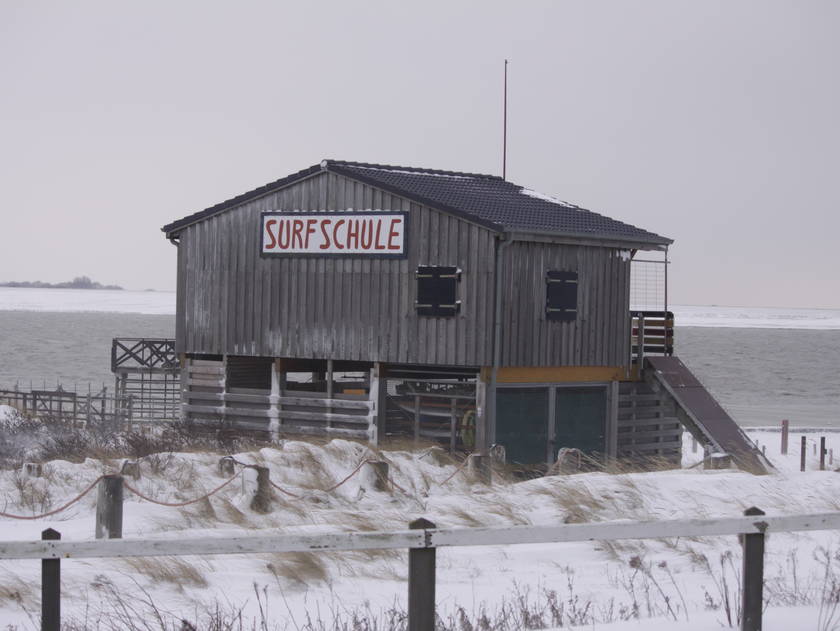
<point>262,497</point>
<point>50,587</point>
<point>752,592</point>
<point>802,449</point>
<point>379,469</point>
<point>131,468</point>
<point>109,507</point>
<point>479,467</point>
<point>785,430</point>
<point>421,582</point>
<point>822,453</point>
<point>227,466</point>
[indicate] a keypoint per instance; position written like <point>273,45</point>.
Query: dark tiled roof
<point>486,199</point>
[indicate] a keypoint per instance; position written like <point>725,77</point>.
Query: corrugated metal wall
<point>233,301</point>
<point>601,334</point>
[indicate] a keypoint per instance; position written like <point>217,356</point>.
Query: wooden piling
<point>32,469</point>
<point>421,583</point>
<point>479,467</point>
<point>50,587</point>
<point>227,466</point>
<point>262,496</point>
<point>379,468</point>
<point>753,577</point>
<point>131,468</point>
<point>109,507</point>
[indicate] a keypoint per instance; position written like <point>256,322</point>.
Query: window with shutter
<point>437,290</point>
<point>561,295</point>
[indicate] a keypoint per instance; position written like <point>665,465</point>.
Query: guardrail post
<point>109,507</point>
<point>802,450</point>
<point>822,453</point>
<point>50,587</point>
<point>752,592</point>
<point>421,582</point>
<point>785,429</point>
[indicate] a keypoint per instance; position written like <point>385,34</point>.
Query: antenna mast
<point>504,129</point>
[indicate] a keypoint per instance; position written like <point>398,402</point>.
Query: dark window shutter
<point>561,296</point>
<point>437,290</point>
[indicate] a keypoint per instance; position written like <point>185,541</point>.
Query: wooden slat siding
<point>180,298</point>
<point>647,424</point>
<point>531,340</point>
<point>234,302</point>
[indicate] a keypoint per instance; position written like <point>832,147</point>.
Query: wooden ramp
<point>707,421</point>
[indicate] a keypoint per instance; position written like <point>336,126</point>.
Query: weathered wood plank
<point>341,541</point>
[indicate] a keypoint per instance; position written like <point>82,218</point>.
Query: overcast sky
<point>713,123</point>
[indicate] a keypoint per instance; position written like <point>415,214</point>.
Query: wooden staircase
<point>649,431</point>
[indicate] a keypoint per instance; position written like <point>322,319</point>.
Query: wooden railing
<point>143,352</point>
<point>651,333</point>
<point>422,538</point>
<point>71,407</point>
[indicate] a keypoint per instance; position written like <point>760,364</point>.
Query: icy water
<point>760,371</point>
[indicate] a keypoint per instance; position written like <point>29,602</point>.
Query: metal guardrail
<point>421,539</point>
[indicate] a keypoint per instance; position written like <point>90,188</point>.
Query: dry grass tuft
<point>576,501</point>
<point>465,517</point>
<point>13,589</point>
<point>229,513</point>
<point>33,493</point>
<point>361,522</point>
<point>298,568</point>
<point>174,570</point>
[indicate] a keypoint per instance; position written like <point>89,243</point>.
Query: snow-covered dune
<point>595,582</point>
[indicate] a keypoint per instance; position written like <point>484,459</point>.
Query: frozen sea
<point>763,364</point>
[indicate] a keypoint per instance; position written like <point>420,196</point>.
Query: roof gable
<point>485,199</point>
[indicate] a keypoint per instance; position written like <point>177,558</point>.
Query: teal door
<point>522,423</point>
<point>580,419</point>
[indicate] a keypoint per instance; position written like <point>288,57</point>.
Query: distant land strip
<point>80,282</point>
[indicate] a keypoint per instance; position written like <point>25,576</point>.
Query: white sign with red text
<point>335,233</point>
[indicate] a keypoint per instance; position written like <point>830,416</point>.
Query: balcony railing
<point>651,333</point>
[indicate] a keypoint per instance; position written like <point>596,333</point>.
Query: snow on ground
<point>86,300</point>
<point>591,580</point>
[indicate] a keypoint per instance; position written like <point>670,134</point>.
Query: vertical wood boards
<point>233,301</point>
<point>599,336</point>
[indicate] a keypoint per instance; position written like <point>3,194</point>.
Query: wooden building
<point>366,300</point>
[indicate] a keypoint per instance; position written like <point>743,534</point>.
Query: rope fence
<point>188,502</point>
<point>60,508</point>
<point>243,465</point>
